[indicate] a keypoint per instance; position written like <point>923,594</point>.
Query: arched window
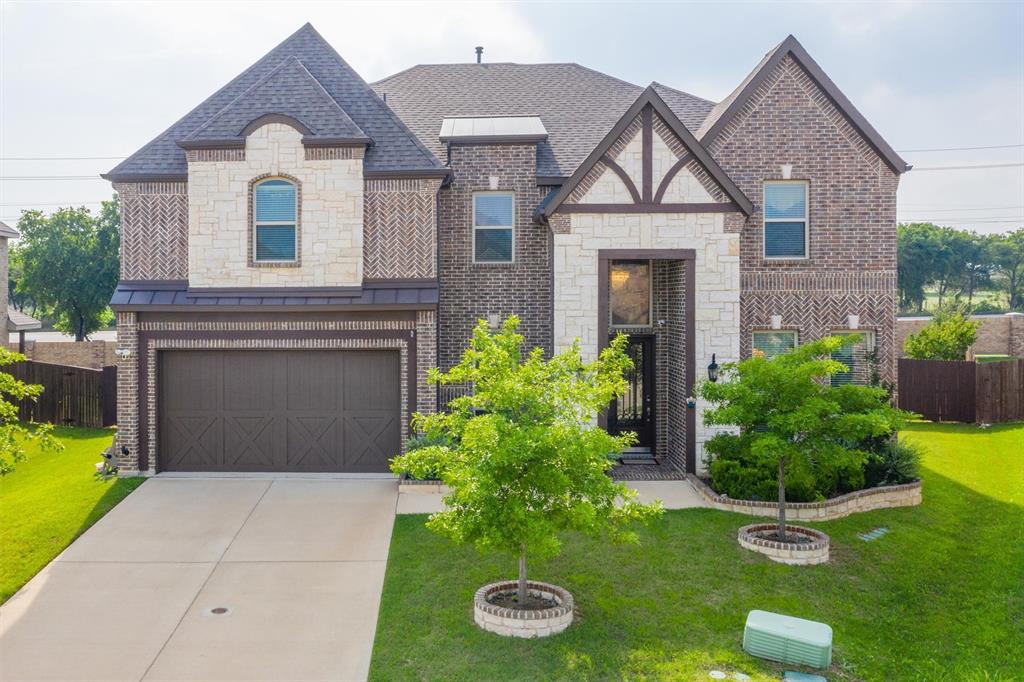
<point>274,212</point>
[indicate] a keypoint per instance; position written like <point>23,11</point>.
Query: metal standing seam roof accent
<point>129,296</point>
<point>395,148</point>
<point>504,128</point>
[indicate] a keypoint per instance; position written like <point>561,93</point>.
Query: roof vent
<point>479,53</point>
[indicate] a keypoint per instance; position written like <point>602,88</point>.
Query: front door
<point>634,411</point>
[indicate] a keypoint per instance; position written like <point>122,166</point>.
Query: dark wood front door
<point>634,411</point>
<point>299,411</point>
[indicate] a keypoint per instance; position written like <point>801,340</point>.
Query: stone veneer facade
<point>472,291</point>
<point>330,219</point>
<point>851,263</point>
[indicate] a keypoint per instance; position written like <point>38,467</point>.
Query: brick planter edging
<point>883,497</point>
<point>796,554</point>
<point>522,623</point>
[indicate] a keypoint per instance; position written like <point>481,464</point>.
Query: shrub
<point>947,337</point>
<point>897,462</point>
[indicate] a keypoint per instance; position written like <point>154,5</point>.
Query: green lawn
<point>49,500</point>
<point>941,597</point>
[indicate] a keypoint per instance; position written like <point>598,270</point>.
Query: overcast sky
<point>89,79</point>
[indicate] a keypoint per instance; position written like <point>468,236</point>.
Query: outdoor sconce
<point>713,370</point>
<point>123,352</point>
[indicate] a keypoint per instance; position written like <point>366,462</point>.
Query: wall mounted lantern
<point>713,370</point>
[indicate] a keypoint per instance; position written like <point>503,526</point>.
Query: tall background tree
<point>69,265</point>
<point>1007,252</point>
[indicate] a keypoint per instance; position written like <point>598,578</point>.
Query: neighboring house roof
<point>179,297</point>
<point>650,97</point>
<point>577,105</point>
<point>289,90</point>
<point>395,150</point>
<point>18,321</point>
<point>7,231</point>
<point>727,108</point>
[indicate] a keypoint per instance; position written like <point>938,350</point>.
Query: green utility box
<point>787,639</point>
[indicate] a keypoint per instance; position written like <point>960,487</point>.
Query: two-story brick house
<point>302,247</point>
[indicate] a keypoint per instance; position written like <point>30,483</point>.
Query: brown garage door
<point>300,411</point>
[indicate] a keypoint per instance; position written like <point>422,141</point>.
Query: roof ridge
<point>372,94</point>
<point>162,134</point>
<point>683,92</point>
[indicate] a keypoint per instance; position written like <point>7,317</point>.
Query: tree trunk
<point>782,501</point>
<point>522,594</point>
<point>80,330</point>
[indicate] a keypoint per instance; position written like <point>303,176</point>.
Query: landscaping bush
<point>897,462</point>
<point>947,337</point>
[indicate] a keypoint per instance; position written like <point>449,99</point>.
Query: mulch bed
<point>508,600</point>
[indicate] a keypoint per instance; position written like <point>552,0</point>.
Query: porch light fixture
<point>713,370</point>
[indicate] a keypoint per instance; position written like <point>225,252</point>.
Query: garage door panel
<point>313,382</point>
<point>374,369</point>
<point>303,411</point>
<point>250,380</point>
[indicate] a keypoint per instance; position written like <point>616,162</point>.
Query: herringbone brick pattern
<point>399,229</point>
<point>154,230</point>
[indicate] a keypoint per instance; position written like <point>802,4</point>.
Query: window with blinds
<point>785,219</point>
<point>854,356</point>
<point>774,342</point>
<point>493,227</point>
<point>275,209</point>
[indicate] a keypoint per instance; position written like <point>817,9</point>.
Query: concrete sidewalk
<point>211,579</point>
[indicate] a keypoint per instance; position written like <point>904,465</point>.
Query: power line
<point>54,203</point>
<point>974,167</point>
<point>967,221</point>
<point>51,177</point>
<point>960,149</point>
<point>61,158</point>
<point>962,210</point>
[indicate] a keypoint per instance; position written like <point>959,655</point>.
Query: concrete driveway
<point>211,579</point>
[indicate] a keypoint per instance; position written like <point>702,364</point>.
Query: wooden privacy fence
<point>963,390</point>
<point>72,396</point>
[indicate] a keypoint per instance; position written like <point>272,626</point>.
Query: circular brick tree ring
<point>527,623</point>
<point>813,548</point>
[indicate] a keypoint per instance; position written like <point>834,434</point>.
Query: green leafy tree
<point>13,434</point>
<point>916,247</point>
<point>948,336</point>
<point>70,265</point>
<point>1008,259</point>
<point>787,413</point>
<point>522,455</point>
<point>978,265</point>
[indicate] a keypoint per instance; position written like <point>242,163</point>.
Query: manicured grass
<point>940,597</point>
<point>993,358</point>
<point>49,500</point>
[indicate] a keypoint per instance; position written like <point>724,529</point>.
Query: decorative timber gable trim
<point>720,117</point>
<point>649,117</point>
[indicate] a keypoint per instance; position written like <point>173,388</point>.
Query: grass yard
<point>940,597</point>
<point>49,500</point>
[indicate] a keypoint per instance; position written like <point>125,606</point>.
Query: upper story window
<point>629,291</point>
<point>785,219</point>
<point>493,227</point>
<point>774,342</point>
<point>274,211</point>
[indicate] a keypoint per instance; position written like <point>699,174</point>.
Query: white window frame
<point>765,220</point>
<point>754,333</point>
<point>256,224</point>
<point>511,227</point>
<point>650,294</point>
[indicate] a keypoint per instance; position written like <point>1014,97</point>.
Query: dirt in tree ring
<point>791,537</point>
<point>509,600</point>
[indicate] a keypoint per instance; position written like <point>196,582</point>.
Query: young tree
<point>13,434</point>
<point>525,460</point>
<point>70,265</point>
<point>1008,258</point>
<point>947,337</point>
<point>788,413</point>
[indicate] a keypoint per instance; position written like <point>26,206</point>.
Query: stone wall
<point>91,354</point>
<point>330,229</point>
<point>997,335</point>
<point>851,263</point>
<point>471,291</point>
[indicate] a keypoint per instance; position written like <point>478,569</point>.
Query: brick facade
<point>400,229</point>
<point>154,230</point>
<point>851,263</point>
<point>469,291</point>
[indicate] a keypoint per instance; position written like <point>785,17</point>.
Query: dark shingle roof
<point>394,147</point>
<point>289,89</point>
<point>577,105</point>
<point>8,231</point>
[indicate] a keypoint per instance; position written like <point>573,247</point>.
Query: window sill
<point>275,264</point>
